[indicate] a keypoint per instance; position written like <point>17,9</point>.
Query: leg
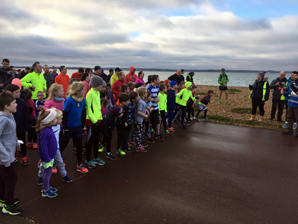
<point>120,133</point>
<point>60,164</point>
<point>170,120</point>
<point>227,94</point>
<point>139,128</point>
<point>89,141</point>
<point>46,178</point>
<point>7,186</point>
<point>163,118</point>
<point>273,109</point>
<point>254,107</point>
<point>22,136</point>
<point>261,104</point>
<point>291,116</point>
<point>78,144</point>
<point>286,103</point>
<point>220,93</point>
<point>205,113</point>
<point>281,106</point>
<point>183,114</point>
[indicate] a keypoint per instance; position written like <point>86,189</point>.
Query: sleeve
<point>57,80</point>
<point>26,81</point>
<point>129,115</point>
<point>191,96</point>
<point>64,121</point>
<point>45,84</point>
<point>227,79</point>
<point>89,112</point>
<point>45,149</point>
<point>115,90</point>
<point>273,84</point>
<point>47,105</point>
<point>166,102</point>
<point>171,77</point>
<point>4,154</point>
<point>67,105</point>
<point>219,80</point>
<point>267,91</point>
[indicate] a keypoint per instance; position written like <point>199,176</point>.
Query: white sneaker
<point>294,126</point>
<point>286,125</point>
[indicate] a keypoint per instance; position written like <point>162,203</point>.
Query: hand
<point>9,72</point>
<point>277,84</point>
<point>282,83</point>
<point>125,124</point>
<point>146,116</point>
<point>1,85</point>
<point>33,88</point>
<point>211,101</point>
<point>147,112</point>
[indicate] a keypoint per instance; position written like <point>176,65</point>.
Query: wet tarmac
<point>209,173</point>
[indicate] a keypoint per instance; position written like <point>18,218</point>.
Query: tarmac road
<point>209,173</point>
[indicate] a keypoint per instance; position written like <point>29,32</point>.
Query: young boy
<point>146,122</point>
<point>171,104</point>
<point>141,113</point>
<point>154,89</point>
<point>162,105</point>
<point>190,105</point>
<point>203,104</point>
<point>39,104</point>
<point>111,120</point>
<point>8,146</point>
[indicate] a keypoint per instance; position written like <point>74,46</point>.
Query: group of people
<point>45,111</point>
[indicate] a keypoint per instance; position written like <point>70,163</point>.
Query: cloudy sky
<point>194,34</point>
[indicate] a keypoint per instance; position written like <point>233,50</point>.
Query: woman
<point>140,78</point>
<point>86,79</point>
<point>259,94</point>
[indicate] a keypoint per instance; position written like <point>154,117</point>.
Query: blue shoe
<point>286,125</point>
<point>287,133</point>
<point>67,179</point>
<point>90,164</point>
<point>49,194</point>
<point>206,119</point>
<point>129,149</point>
<point>51,189</point>
<point>110,156</point>
<point>99,161</point>
<point>40,181</point>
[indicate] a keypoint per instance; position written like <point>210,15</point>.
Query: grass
<point>234,91</point>
<point>243,110</point>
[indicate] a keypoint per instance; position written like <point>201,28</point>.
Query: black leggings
<point>163,118</point>
<point>183,113</point>
<point>205,113</point>
<point>92,140</point>
<point>107,141</point>
<point>32,136</point>
<point>120,135</point>
<point>77,143</point>
<point>260,104</point>
<point>190,110</point>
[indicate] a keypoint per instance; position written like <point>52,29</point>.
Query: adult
<point>23,73</point>
<point>115,77</point>
<point>78,74</point>
<point>111,72</point>
<point>223,80</point>
<point>116,89</point>
<point>5,72</point>
<point>54,72</point>
<point>48,77</point>
<point>288,86</point>
<point>182,71</point>
<point>177,77</point>
<point>131,76</point>
<point>278,100</point>
<point>98,72</point>
<point>63,79</point>
<point>140,78</point>
<point>260,91</point>
<point>35,80</point>
<point>189,77</point>
<point>89,71</point>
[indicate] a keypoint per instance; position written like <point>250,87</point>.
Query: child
<point>94,118</point>
<point>47,149</point>
<point>32,136</point>
<point>162,105</point>
<point>181,101</point>
<point>128,116</point>
<point>8,146</point>
<point>190,105</point>
<point>39,104</point>
<point>171,104</point>
<point>154,89</point>
<point>146,122</point>
<point>22,119</point>
<point>104,108</point>
<point>86,79</point>
<point>110,121</point>
<point>55,98</point>
<point>140,114</point>
<point>203,104</point>
<point>110,94</point>
<point>74,114</point>
<point>131,86</point>
<point>58,161</point>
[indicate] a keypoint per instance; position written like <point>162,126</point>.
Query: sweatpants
<point>137,133</point>
<point>8,180</point>
<point>22,136</point>
<point>92,141</point>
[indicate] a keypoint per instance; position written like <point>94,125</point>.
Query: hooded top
<point>8,139</point>
<point>63,80</point>
<point>293,99</point>
<point>129,77</point>
<point>37,80</point>
<point>184,95</point>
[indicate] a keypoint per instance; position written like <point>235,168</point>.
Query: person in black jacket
<point>5,72</point>
<point>177,77</point>
<point>259,94</point>
<point>189,77</point>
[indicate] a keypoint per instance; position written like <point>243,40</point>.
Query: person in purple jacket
<point>47,148</point>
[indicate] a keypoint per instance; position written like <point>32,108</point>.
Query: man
<point>35,80</point>
<point>48,77</point>
<point>114,77</point>
<point>78,74</point>
<point>5,72</point>
<point>277,98</point>
<point>23,73</point>
<point>98,72</point>
<point>189,77</point>
<point>131,76</point>
<point>223,80</point>
<point>177,77</point>
<point>116,89</point>
<point>63,79</point>
<point>111,72</point>
<point>288,86</point>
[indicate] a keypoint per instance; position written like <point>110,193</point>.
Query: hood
<point>188,84</point>
<point>5,115</point>
<point>265,79</point>
<point>131,69</point>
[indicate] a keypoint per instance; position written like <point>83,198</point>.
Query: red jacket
<point>129,77</point>
<point>76,76</point>
<point>116,89</point>
<point>63,80</point>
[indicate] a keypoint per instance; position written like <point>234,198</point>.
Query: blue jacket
<point>171,100</point>
<point>293,100</point>
<point>288,84</point>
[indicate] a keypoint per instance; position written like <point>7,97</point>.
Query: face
<point>17,94</point>
<point>223,71</point>
<point>98,88</point>
<point>54,71</point>
<point>26,71</point>
<point>142,75</point>
<point>145,95</point>
<point>64,71</point>
<point>88,78</point>
<point>165,90</point>
<point>81,93</point>
<point>46,69</point>
<point>133,72</point>
<point>194,90</point>
<point>40,96</point>
<point>12,108</point>
<point>127,90</point>
<point>122,76</point>
<point>178,72</point>
<point>5,65</point>
<point>282,75</point>
<point>81,73</point>
<point>259,76</point>
<point>111,72</point>
<point>156,81</point>
<point>54,122</point>
<point>59,93</point>
<point>182,72</point>
<point>183,86</point>
<point>210,94</point>
<point>295,76</point>
<point>175,86</point>
<point>108,88</point>
<point>98,72</point>
<point>59,120</point>
<point>38,68</point>
<point>125,103</point>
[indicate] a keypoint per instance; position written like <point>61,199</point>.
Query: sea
<point>241,79</point>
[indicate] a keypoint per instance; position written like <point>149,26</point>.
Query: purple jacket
<point>47,145</point>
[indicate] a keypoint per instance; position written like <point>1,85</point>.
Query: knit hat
<point>17,82</point>
<point>262,74</point>
<point>97,81</point>
<point>172,83</point>
<point>116,111</point>
<point>12,87</point>
<point>188,84</point>
<point>166,81</point>
<point>96,67</point>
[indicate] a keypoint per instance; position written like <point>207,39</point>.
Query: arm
<point>4,154</point>
<point>64,122</point>
<point>48,104</point>
<point>115,90</point>
<point>227,79</point>
<point>219,80</point>
<point>26,81</point>
<point>89,99</point>
<point>267,91</point>
<point>273,84</point>
<point>129,115</point>
<point>141,114</point>
<point>44,147</point>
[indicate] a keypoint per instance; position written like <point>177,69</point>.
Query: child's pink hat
<point>17,82</point>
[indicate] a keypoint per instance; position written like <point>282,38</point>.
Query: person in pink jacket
<point>55,98</point>
<point>86,79</point>
<point>140,78</point>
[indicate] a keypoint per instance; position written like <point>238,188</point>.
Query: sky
<point>168,34</point>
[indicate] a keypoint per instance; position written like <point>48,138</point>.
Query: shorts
<point>223,88</point>
<point>73,132</point>
<point>202,107</point>
<point>154,116</point>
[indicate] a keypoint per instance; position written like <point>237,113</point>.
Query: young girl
<point>74,114</point>
<point>162,105</point>
<point>104,108</point>
<point>47,148</point>
<point>86,79</point>
<point>55,98</point>
<point>32,136</point>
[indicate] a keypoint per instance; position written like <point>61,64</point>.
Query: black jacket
<point>3,74</point>
<point>257,89</point>
<point>22,116</point>
<point>276,92</point>
<point>176,78</point>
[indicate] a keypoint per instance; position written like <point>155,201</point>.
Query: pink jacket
<point>140,80</point>
<point>87,88</point>
<point>51,103</point>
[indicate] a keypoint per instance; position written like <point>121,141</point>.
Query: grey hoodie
<point>8,139</point>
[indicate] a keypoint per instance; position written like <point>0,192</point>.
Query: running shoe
<point>24,161</point>
<point>99,161</point>
<point>150,140</point>
<point>67,179</point>
<point>29,145</point>
<point>54,170</point>
<point>55,190</point>
<point>141,149</point>
<point>183,126</point>
<point>144,145</point>
<point>206,119</point>
<point>11,210</point>
<point>219,102</point>
<point>294,126</point>
<point>90,164</point>
<point>35,146</point>
<point>49,194</point>
<point>160,137</point>
<point>287,133</point>
<point>82,169</point>
<point>167,132</point>
<point>286,125</point>
<point>101,148</point>
<point>129,149</point>
<point>40,181</point>
<point>121,152</point>
<point>227,103</point>
<point>132,144</point>
<point>110,156</point>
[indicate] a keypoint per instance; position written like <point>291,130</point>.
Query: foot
<point>67,179</point>
<point>35,146</point>
<point>150,140</point>
<point>219,102</point>
<point>144,145</point>
<point>129,149</point>
<point>227,103</point>
<point>280,120</point>
<point>55,190</point>
<point>49,194</point>
<point>90,164</point>
<point>99,161</point>
<point>110,156</point>
<point>206,119</point>
<point>287,133</point>
<point>54,170</point>
<point>132,144</point>
<point>40,181</point>
<point>159,137</point>
<point>182,126</point>
<point>11,210</point>
<point>121,152</point>
<point>141,149</point>
<point>294,126</point>
<point>167,132</point>
<point>29,145</point>
<point>286,125</point>
<point>24,161</point>
<point>101,148</point>
<point>82,169</point>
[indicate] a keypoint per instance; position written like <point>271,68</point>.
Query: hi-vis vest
<point>264,91</point>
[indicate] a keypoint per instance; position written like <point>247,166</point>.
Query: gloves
<point>66,132</point>
<point>250,87</point>
<point>197,97</point>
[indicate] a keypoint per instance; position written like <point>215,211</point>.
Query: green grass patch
<point>220,118</point>
<point>243,110</point>
<point>234,91</point>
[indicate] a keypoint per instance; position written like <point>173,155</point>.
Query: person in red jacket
<point>131,76</point>
<point>116,89</point>
<point>63,79</point>
<point>78,74</point>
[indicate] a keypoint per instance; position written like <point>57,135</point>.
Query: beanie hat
<point>96,67</point>
<point>116,110</point>
<point>262,74</point>
<point>166,81</point>
<point>17,82</point>
<point>12,87</point>
<point>97,81</point>
<point>188,84</point>
<point>172,83</point>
